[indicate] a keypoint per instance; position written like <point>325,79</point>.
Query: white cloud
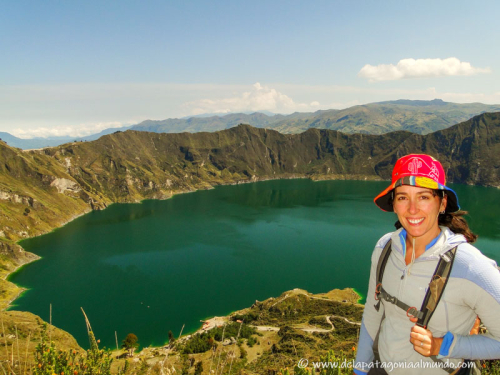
<point>61,131</point>
<point>419,68</point>
<point>259,98</point>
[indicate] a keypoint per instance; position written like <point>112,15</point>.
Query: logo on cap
<point>434,173</point>
<point>417,163</point>
<point>414,165</point>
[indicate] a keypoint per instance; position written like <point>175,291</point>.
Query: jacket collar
<point>445,241</point>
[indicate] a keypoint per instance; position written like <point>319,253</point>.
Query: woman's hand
<point>475,328</point>
<point>423,341</point>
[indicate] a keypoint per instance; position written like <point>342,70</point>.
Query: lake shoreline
<point>254,179</point>
<point>21,290</point>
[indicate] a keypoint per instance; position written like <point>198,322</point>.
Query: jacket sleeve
<point>481,280</point>
<point>371,317</point>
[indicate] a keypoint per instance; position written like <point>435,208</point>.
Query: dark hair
<point>453,220</point>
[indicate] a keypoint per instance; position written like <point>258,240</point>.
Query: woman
<point>430,224</point>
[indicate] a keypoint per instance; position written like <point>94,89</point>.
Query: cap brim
<point>384,201</point>
<point>452,204</point>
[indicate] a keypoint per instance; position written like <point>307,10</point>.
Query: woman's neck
<point>420,244</point>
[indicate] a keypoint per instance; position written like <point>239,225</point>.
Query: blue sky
<point>76,67</point>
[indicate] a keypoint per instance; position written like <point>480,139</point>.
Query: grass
<point>41,349</point>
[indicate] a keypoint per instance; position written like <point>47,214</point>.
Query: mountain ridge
<point>417,116</point>
<point>55,183</point>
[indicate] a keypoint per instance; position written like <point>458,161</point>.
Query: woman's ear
<point>444,202</point>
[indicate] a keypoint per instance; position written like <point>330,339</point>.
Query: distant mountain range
<point>33,142</point>
<point>39,142</point>
<point>416,116</point>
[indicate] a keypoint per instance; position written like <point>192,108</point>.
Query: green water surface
<point>151,267</point>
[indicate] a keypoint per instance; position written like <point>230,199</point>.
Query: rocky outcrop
<point>64,185</point>
<point>16,198</point>
<point>16,253</point>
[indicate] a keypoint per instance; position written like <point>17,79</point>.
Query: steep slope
<point>42,189</point>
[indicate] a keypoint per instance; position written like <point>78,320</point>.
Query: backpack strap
<point>380,292</point>
<point>382,261</point>
<point>437,286</point>
<point>434,291</point>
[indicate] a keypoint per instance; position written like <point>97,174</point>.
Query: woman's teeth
<point>415,221</point>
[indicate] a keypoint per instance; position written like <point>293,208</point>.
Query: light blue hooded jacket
<point>473,289</point>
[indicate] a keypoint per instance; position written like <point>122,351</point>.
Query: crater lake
<point>152,267</point>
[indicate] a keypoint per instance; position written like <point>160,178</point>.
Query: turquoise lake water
<point>151,267</point>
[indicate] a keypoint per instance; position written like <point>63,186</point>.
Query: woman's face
<point>418,209</point>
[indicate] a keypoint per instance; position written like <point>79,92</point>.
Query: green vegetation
<point>336,364</point>
<point>243,331</point>
<point>198,344</point>
<point>198,369</point>
<point>247,318</point>
<point>252,341</point>
<point>490,367</point>
<point>247,350</point>
<point>171,337</point>
<point>49,360</point>
<point>202,342</point>
<point>130,343</point>
<point>319,321</point>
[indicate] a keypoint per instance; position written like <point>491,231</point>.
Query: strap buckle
<point>377,291</point>
<point>391,299</point>
<point>412,312</point>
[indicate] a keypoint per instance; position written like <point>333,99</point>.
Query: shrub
<point>251,341</point>
<point>49,360</point>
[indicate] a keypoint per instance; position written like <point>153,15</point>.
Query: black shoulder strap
<point>436,287</point>
<point>382,261</point>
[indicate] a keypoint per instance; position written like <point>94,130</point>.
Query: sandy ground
<point>216,321</point>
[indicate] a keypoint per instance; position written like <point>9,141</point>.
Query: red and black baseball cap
<point>417,170</point>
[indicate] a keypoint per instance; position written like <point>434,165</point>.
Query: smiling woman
<point>427,262</point>
<point>418,208</point>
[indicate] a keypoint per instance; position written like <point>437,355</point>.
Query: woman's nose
<point>413,209</point>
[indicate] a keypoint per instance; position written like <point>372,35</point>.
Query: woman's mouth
<point>415,221</point>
